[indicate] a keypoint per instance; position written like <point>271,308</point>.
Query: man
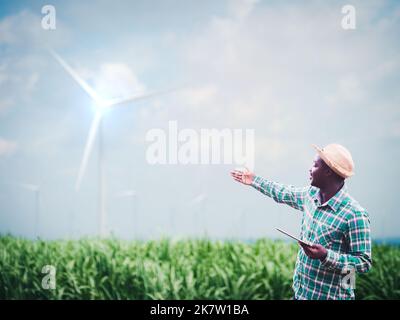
<point>333,222</point>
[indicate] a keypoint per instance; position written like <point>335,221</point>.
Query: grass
<point>165,269</point>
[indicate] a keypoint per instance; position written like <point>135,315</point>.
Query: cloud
<point>348,89</point>
<point>198,96</point>
<point>24,55</point>
<point>17,83</point>
<point>23,31</point>
<point>5,104</point>
<point>241,9</point>
<point>7,147</point>
<point>289,72</point>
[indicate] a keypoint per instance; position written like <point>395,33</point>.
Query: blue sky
<point>283,68</point>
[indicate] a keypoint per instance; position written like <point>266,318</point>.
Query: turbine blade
<point>84,85</point>
<point>88,148</point>
<point>198,199</point>
<point>28,186</point>
<point>126,193</point>
<point>141,96</point>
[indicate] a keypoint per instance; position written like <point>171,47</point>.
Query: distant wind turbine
<point>133,195</point>
<point>101,106</point>
<point>242,225</point>
<point>36,190</point>
<point>199,203</point>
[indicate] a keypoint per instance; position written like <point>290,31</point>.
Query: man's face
<point>318,172</point>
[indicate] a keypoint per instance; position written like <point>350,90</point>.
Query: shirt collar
<point>334,202</point>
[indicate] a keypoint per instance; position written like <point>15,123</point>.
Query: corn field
<point>166,269</point>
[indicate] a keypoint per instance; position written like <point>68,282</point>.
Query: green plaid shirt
<point>341,225</point>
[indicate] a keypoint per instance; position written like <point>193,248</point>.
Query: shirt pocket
<point>328,237</point>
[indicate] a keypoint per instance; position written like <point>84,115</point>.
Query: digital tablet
<point>295,238</point>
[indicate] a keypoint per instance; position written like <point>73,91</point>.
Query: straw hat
<point>338,158</point>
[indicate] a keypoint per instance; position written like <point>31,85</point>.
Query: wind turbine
<point>171,212</point>
<point>101,106</point>
<point>36,190</point>
<point>242,225</point>
<point>133,195</point>
<point>199,203</point>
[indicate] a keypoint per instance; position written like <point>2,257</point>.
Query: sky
<point>285,69</point>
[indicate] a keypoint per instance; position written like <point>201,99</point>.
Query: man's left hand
<point>315,251</point>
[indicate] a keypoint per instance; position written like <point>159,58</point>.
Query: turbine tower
<point>36,190</point>
<point>130,193</point>
<point>101,105</point>
<point>198,203</point>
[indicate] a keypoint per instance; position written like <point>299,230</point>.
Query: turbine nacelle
<point>101,106</point>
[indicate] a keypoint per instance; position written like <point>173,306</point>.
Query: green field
<point>165,269</point>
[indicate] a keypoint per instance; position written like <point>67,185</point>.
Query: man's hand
<point>245,177</point>
<point>315,251</point>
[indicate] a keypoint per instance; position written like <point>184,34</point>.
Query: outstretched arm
<point>287,194</point>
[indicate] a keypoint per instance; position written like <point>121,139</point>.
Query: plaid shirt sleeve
<point>287,194</point>
<point>358,257</point>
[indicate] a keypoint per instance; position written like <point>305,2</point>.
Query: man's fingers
<point>303,247</point>
<point>237,179</point>
<point>306,249</point>
<point>302,244</point>
<point>237,174</point>
<point>310,252</point>
<point>306,246</point>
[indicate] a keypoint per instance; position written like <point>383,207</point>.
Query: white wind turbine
<point>102,105</point>
<point>199,203</point>
<point>36,190</point>
<point>133,195</point>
